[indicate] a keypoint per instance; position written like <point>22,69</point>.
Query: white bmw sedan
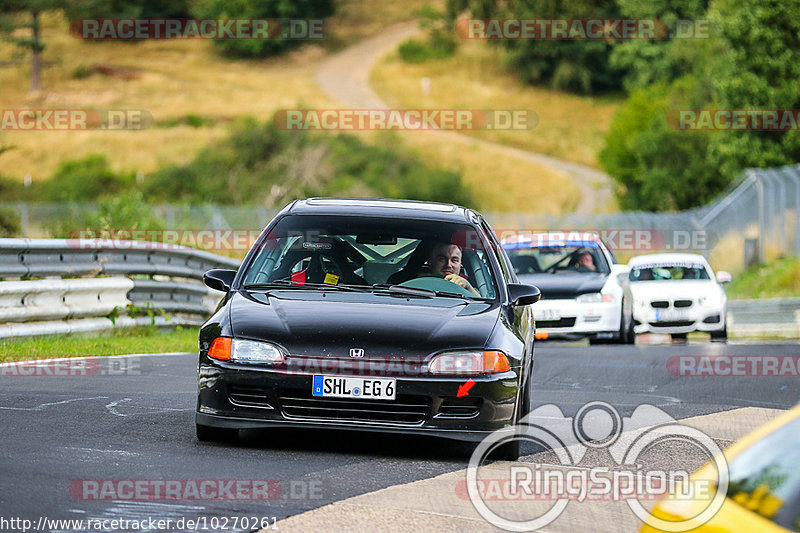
<point>677,294</point>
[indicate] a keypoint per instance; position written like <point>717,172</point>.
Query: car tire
<point>215,434</point>
<point>631,334</point>
<point>720,336</point>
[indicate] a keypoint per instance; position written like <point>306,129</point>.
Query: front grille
<point>406,410</point>
<point>659,304</point>
<point>563,323</point>
<point>248,396</point>
<point>672,323</point>
<point>459,408</point>
<point>682,303</point>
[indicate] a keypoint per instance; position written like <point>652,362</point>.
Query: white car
<point>585,292</point>
<point>678,294</point>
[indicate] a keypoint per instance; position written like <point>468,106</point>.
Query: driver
<point>445,260</point>
<point>586,261</point>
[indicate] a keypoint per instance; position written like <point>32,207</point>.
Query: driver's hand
<point>461,282</point>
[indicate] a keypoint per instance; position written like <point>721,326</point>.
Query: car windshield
<point>669,272</point>
<point>558,259</point>
<point>324,252</point>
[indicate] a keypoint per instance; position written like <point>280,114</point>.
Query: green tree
<point>263,9</point>
<point>758,68</point>
<point>580,66</point>
<point>657,167</point>
<point>645,61</point>
<point>11,11</point>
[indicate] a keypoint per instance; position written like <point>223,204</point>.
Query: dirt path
<point>345,77</point>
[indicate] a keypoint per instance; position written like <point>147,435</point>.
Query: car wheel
<point>631,334</point>
<point>215,434</point>
<point>720,336</point>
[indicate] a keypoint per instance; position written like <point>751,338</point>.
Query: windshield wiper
<point>415,291</point>
<point>286,284</point>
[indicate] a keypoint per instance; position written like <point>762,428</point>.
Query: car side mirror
<point>523,294</point>
<point>219,279</point>
<point>724,276</point>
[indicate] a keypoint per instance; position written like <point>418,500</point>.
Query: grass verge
<point>116,342</point>
<point>777,279</point>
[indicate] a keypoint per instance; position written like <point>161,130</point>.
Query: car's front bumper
<point>697,318</point>
<point>577,319</point>
<point>245,397</point>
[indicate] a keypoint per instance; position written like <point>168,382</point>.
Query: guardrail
<point>769,317</point>
<point>167,280</point>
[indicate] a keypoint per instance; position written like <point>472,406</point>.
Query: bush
<point>263,9</point>
<point>125,211</point>
<point>439,44</point>
<point>83,180</point>
<point>260,164</point>
<point>9,223</point>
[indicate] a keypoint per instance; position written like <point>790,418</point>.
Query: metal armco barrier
<point>166,280</point>
<point>778,317</point>
<point>47,299</point>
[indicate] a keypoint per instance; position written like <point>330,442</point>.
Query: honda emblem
<point>356,352</point>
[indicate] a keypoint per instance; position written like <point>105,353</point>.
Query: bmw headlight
<point>710,300</point>
<point>594,298</point>
<point>244,351</point>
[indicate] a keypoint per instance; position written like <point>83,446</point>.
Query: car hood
<point>558,286</point>
<point>383,326</point>
<point>678,289</point>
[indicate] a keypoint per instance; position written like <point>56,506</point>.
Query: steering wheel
<point>436,283</point>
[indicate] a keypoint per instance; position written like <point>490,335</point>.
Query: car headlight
<point>713,300</point>
<point>594,298</point>
<point>244,351</point>
<point>469,363</point>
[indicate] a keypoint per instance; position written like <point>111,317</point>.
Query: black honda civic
<point>373,315</point>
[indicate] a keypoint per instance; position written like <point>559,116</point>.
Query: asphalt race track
<point>134,420</point>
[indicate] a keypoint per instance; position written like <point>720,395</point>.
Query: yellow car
<point>763,490</point>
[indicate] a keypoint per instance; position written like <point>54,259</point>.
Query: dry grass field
<point>570,127</point>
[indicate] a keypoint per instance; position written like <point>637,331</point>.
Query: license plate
<point>670,315</point>
<point>546,314</point>
<point>352,387</point>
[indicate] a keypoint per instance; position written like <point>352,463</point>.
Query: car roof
<point>383,207</point>
<point>666,258</point>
